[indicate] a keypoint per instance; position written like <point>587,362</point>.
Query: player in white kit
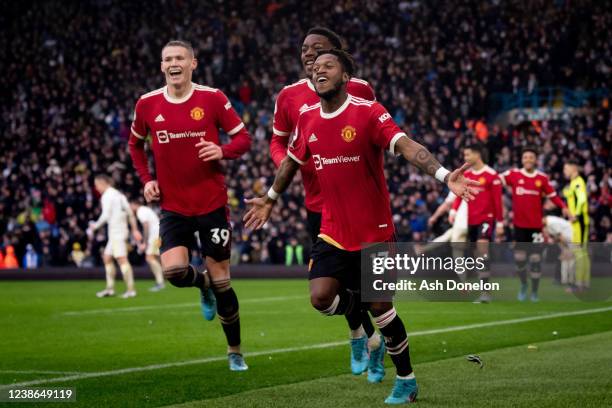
<point>116,213</point>
<point>150,244</point>
<point>458,220</point>
<point>561,231</point>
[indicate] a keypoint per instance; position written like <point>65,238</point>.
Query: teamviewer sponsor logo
<point>162,136</point>
<point>319,161</point>
<point>526,191</point>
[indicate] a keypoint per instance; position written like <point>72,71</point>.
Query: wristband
<point>272,195</point>
<point>441,174</point>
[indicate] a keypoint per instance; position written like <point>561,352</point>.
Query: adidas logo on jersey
<point>312,138</point>
<point>159,118</point>
<point>304,106</point>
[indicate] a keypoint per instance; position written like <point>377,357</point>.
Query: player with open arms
<point>367,349</point>
<point>116,214</point>
<point>150,243</point>
<point>529,188</point>
<point>346,136</point>
<point>183,119</point>
<point>485,211</point>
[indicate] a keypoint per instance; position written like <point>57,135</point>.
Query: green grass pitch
<point>156,350</point>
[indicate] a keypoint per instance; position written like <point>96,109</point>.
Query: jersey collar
<point>526,174</point>
<point>178,100</point>
<point>338,111</point>
<point>310,85</point>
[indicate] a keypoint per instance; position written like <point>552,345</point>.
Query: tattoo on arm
<point>285,174</point>
<point>422,158</point>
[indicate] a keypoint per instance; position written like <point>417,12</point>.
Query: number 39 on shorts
<point>220,235</point>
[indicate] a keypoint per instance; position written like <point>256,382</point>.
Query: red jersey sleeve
<point>506,178</point>
<point>550,192</point>
<point>496,190</point>
<point>362,89</point>
<point>139,126</point>
<point>386,132</point>
<point>280,130</point>
<point>136,144</point>
<point>298,148</point>
<point>456,203</point>
<point>230,122</point>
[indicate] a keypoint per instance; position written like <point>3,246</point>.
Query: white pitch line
<point>39,372</point>
<point>301,348</point>
<point>171,306</point>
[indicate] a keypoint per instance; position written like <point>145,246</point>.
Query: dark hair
<point>180,43</point>
<point>333,38</point>
<point>573,161</point>
<point>475,147</point>
<point>104,177</point>
<point>344,57</point>
<point>530,148</point>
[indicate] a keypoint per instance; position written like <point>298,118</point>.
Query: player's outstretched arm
<point>419,156</point>
<point>261,207</point>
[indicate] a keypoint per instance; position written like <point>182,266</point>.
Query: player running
<point>116,213</point>
<point>367,349</point>
<point>485,211</point>
<point>575,194</point>
<point>150,243</point>
<point>183,119</point>
<point>529,186</point>
<point>346,137</point>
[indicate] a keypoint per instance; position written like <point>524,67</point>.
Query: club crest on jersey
<point>197,113</point>
<point>538,183</point>
<point>348,134</point>
<point>482,180</point>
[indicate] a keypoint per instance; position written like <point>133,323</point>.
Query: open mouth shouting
<point>175,72</point>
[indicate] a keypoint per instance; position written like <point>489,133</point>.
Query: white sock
<point>109,268</point>
<point>156,269</point>
<point>358,333</point>
<point>407,377</point>
<point>128,276</point>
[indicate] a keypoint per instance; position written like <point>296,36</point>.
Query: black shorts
<point>327,261</point>
<point>528,240</point>
<point>214,230</point>
<point>481,231</point>
<point>313,224</point>
<point>528,235</point>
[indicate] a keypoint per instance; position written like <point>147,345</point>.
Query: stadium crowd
<point>73,71</point>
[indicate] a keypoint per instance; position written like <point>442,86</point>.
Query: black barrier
<point>486,272</point>
<point>72,273</point>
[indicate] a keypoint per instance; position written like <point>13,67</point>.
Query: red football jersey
<point>487,203</point>
<point>188,185</point>
<point>346,147</point>
<point>528,191</point>
<point>289,102</point>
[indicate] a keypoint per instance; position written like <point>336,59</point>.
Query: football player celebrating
<point>529,187</point>
<point>290,101</point>
<point>346,137</point>
<point>183,119</point>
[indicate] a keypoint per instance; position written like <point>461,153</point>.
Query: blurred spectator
<point>30,259</point>
<point>294,253</point>
<point>10,260</point>
<point>77,256</point>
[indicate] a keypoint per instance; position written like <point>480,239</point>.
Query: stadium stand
<point>72,72</point>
